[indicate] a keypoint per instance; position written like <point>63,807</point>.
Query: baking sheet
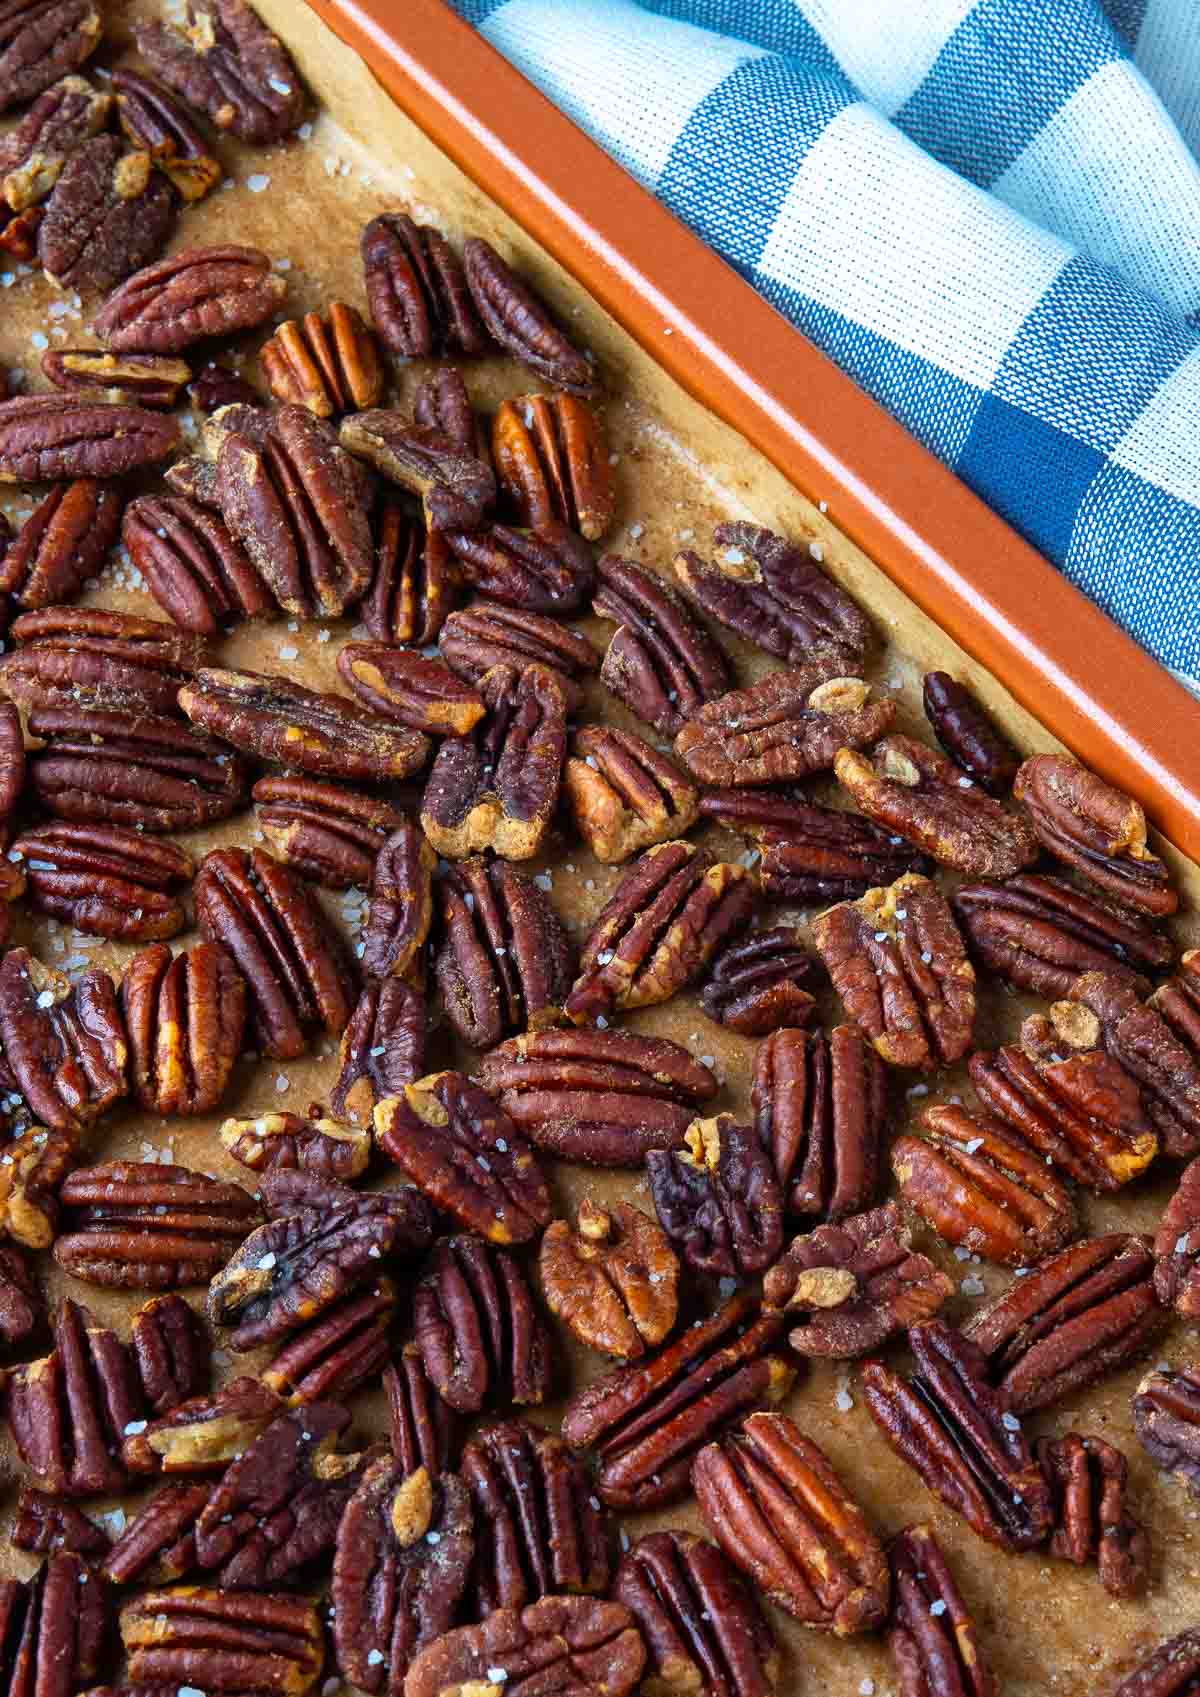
<point>1045,1626</point>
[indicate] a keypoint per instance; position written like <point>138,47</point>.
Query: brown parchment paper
<point>1046,1627</point>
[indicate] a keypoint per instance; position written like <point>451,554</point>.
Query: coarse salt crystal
<point>881,936</point>
<point>926,956</point>
<point>1181,1244</point>
<point>1010,1422</point>
<point>258,182</point>
<point>39,340</point>
<point>938,1608</point>
<point>867,1688</point>
<point>289,651</point>
<point>636,530</point>
<point>305,132</point>
<point>844,1401</point>
<point>374,1658</point>
<point>972,1144</point>
<point>816,551</point>
<point>46,999</point>
<point>497,1676</point>
<point>972,1286</point>
<point>265,1262</point>
<point>734,557</point>
<point>281,1082</point>
<point>280,87</point>
<point>134,1428</point>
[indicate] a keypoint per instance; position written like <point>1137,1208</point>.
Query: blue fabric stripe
<point>1126,17</point>
<point>778,29</point>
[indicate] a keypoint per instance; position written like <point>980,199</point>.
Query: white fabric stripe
<point>1163,442</point>
<point>1168,52</point>
<point>878,231</point>
<point>886,50</point>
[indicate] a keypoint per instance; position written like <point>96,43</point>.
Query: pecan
<point>625,796</point>
<point>42,1523</point>
<point>537,571</point>
<point>854,1285</point>
<point>441,403</point>
<point>613,1280</point>
<point>382,1049</point>
<point>401,912</point>
<point>1177,1247</point>
<point>328,832</point>
<point>193,568</point>
<point>149,1226</point>
<point>579,1646</point>
<point>64,1042</point>
<point>757,983</point>
<point>227,64</point>
<point>923,797</point>
<point>498,787</point>
<point>87,656</point>
<point>1178,1000</point>
<point>252,1642</point>
<point>171,1351</point>
<point>1166,1414</point>
<point>552,463</point>
<point>480,1336</point>
<point>31,1172</point>
<point>961,1437</point>
<point>661,663</point>
<point>604,1097</point>
<point>290,1142</point>
<point>703,1629</point>
<point>898,962</point>
<point>63,436</point>
<point>345,1348</point>
<point>109,213</point>
<point>657,932</point>
<point>295,967</point>
<point>1092,1522</point>
<point>20,1304</point>
<point>105,880</point>
<point>488,634</point>
<point>788,725</point>
<point>185,1016</point>
<point>62,543</point>
<point>647,1420</point>
<point>772,592</point>
<point>12,761</point>
<point>416,290</point>
<point>196,293</point>
<point>518,320</point>
<point>1096,830</point>
<point>982,1189</point>
<point>1075,1318</point>
<point>329,365</point>
<point>396,1589</point>
<point>18,239</point>
<point>967,734</point>
<point>411,688</point>
<point>455,487</point>
<point>151,118</point>
<point>463,1152</point>
<point>1170,1671</point>
<point>414,581</point>
<point>718,1198</point>
<point>158,1543</point>
<point>33,153</point>
<point>55,1624</point>
<point>423,1428</point>
<point>779,1511</point>
<point>148,380</point>
<point>932,1638</point>
<point>505,961</point>
<point>40,41</point>
<point>1135,1034</point>
<point>202,1434</point>
<point>69,1411</point>
<point>218,387</point>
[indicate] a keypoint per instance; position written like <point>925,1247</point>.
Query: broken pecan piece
<point>105,880</point>
<point>149,1226</point>
<point>347,1347</point>
<point>328,832</point>
<point>898,961</point>
<point>517,319</point>
<point>455,487</point>
<point>109,213</point>
<point>477,1327</point>
<point>55,1625</point>
<point>63,436</point>
<point>982,1189</point>
<point>20,1303</point>
<point>1177,1247</point>
<point>227,64</point>
<point>152,118</point>
<point>505,962</point>
<point>382,1049</point>
<point>416,290</point>
<point>1135,1033</point>
<point>43,1523</point>
<point>967,734</point>
<point>788,725</point>
<point>853,1285</point>
<point>194,569</point>
<point>718,1198</point>
<point>603,1097</point>
<point>1166,1415</point>
<point>757,983</point>
<point>579,1646</point>
<point>185,1016</point>
<point>65,1042</point>
<point>1073,1319</point>
<point>552,463</point>
<point>31,1173</point>
<point>932,1638</point>
<point>414,582</point>
<point>536,571</point>
<point>613,1280</point>
<point>230,1641</point>
<point>1092,1522</point>
<point>625,795</point>
<point>661,663</point>
<point>202,1434</point>
<point>329,365</point>
<point>62,543</point>
<point>86,656</point>
<point>291,1142</point>
<point>170,1350</point>
<point>196,293</point>
<point>68,111</point>
<point>413,689</point>
<point>961,1437</point>
<point>401,910</point>
<point>148,380</point>
<point>423,1427</point>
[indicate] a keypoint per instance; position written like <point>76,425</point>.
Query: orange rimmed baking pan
<point>1057,653</point>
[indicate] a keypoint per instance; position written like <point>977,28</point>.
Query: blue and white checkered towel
<point>986,211</point>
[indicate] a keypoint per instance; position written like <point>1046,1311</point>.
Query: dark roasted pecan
<point>1135,1033</point>
<point>1177,1247</point>
<point>106,880</point>
<point>661,663</point>
<point>63,436</point>
<point>70,1411</point>
<point>537,571</point>
<point>328,832</point>
<point>64,1042</point>
<point>772,592</point>
<point>441,403</point>
<point>1073,1319</point>
<point>579,1646</point>
<point>811,853</point>
<point>1092,1522</point>
<point>968,735</point>
<point>498,787</point>
<point>604,1097</point>
<point>323,1147</point>
<point>625,795</point>
<point>414,582</point>
<point>109,213</point>
<point>149,1226</point>
<point>185,1017</point>
<point>779,1511</point>
<point>218,387</point>
<point>202,1434</point>
<point>294,964</point>
<point>227,64</point>
<point>153,119</point>
<point>382,1049</point>
<point>423,1428</point>
<point>1170,1671</point>
<point>1096,830</point>
<point>31,1170</point>
<point>552,463</point>
<point>613,1280</point>
<point>401,911</point>
<point>657,932</point>
<point>34,151</point>
<point>1178,1000</point>
<point>416,290</point>
<point>194,569</point>
<point>196,293</point>
<point>62,543</point>
<point>451,1140</point>
<point>414,689</point>
<point>148,380</point>
<point>455,487</point>
<point>932,1638</point>
<point>12,761</point>
<point>329,365</point>
<point>982,1189</point>
<point>703,1629</point>
<point>718,1198</point>
<point>480,1335</point>
<point>917,793</point>
<point>20,1304</point>
<point>86,656</point>
<point>788,725</point>
<point>756,983</point>
<point>488,634</point>
<point>56,1624</point>
<point>222,1640</point>
<point>347,1347</point>
<point>898,961</point>
<point>396,1588</point>
<point>170,1350</point>
<point>648,1419</point>
<point>1166,1414</point>
<point>158,1543</point>
<point>42,1523</point>
<point>854,1284</point>
<point>517,319</point>
<point>961,1436</point>
<point>504,964</point>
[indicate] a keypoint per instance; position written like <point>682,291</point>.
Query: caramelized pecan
<point>347,1347</point>
<point>401,910</point>
<point>227,64</point>
<point>291,1142</point>
<point>196,293</point>
<point>63,436</point>
<point>44,1523</point>
<point>170,1350</point>
<point>1166,1414</point>
<point>416,290</point>
<point>153,119</point>
<point>788,725</point>
<point>661,663</point>
<point>185,1017</point>
<point>148,380</point>
<point>202,1434</point>
<point>411,688</point>
<point>69,111</point>
<point>414,581</point>
<point>1166,1068</point>
<point>65,1042</point>
<point>109,213</point>
<point>480,1336</point>
<point>1170,1671</point>
<point>158,1542</point>
<point>195,570</point>
<point>612,1280</point>
<point>20,1303</point>
<point>329,365</point>
<point>517,319</point>
<point>932,1638</point>
<point>31,1172</point>
<point>62,543</point>
<point>552,463</point>
<point>455,487</point>
<point>86,656</point>
<point>504,964</point>
<point>328,832</point>
<point>1092,1522</point>
<point>718,1198</point>
<point>1177,1247</point>
<point>55,1624</point>
<point>149,1226</point>
<point>12,760</point>
<point>441,402</point>
<point>1178,1000</point>
<point>382,1049</point>
<point>251,1642</point>
<point>756,983</point>
<point>537,571</point>
<point>625,796</point>
<point>423,1427</point>
<point>968,735</point>
<point>218,387</point>
<point>105,880</point>
<point>579,1646</point>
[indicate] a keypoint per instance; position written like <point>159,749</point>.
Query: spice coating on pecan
<point>718,1198</point>
<point>149,1226</point>
<point>579,1646</point>
<point>456,488</point>
<point>1165,1066</point>
<point>968,735</point>
<point>788,725</point>
<point>416,290</point>
<point>1092,1522</point>
<point>157,1543</point>
<point>487,634</point>
<point>42,43</point>
<point>757,983</point>
<point>423,1428</point>
<point>151,117</point>
<point>45,437</point>
<point>195,570</point>
<point>55,1624</point>
<point>292,1142</point>
<point>480,1334</point>
<point>171,1352</point>
<point>33,152</point>
<point>254,1641</point>
<point>73,656</point>
<point>227,64</point>
<point>552,463</point>
<point>411,688</point>
<point>328,364</point>
<point>413,583</point>
<point>382,1049</point>
<point>1166,1415</point>
<point>624,795</point>
<point>12,760</point>
<point>346,1347</point>
<point>613,1280</point>
<point>1169,1671</point>
<point>661,662</point>
<point>65,1043</point>
<point>516,318</point>
<point>42,1523</point>
<point>106,880</point>
<point>932,1638</point>
<point>185,1017</point>
<point>329,832</point>
<point>109,213</point>
<point>536,571</point>
<point>62,543</point>
<point>401,907</point>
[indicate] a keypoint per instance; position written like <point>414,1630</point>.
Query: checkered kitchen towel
<point>986,211</point>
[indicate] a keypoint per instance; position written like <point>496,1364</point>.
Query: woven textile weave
<point>986,211</point>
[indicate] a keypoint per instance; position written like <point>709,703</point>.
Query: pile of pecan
<point>408,1232</point>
